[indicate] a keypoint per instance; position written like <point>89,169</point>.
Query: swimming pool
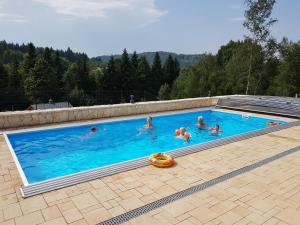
<point>51,153</point>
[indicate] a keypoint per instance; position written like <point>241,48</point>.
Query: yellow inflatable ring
<point>161,160</point>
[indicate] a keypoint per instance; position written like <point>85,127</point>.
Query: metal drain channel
<point>171,198</point>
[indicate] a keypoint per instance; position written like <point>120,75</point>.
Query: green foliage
<point>34,75</point>
<point>258,22</point>
<point>287,82</point>
<point>157,73</point>
<point>164,92</point>
<point>227,72</point>
<point>170,70</point>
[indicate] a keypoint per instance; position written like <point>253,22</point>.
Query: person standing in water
<point>201,124</point>
<point>149,123</point>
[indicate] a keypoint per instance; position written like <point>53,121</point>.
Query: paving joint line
<point>200,187</point>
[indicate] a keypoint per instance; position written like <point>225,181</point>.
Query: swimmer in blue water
<point>201,124</point>
<point>149,123</point>
<point>94,130</point>
<point>216,130</point>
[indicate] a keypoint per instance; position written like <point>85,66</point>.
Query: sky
<point>104,27</point>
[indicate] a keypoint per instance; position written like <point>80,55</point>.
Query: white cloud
<point>145,9</point>
<point>7,17</point>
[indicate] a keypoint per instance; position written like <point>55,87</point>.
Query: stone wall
<point>39,117</point>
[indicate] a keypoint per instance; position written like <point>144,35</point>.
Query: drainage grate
<point>171,198</point>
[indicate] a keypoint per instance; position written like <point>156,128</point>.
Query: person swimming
<point>182,133</point>
<point>201,124</point>
<point>216,130</point>
<point>93,130</point>
<point>149,123</point>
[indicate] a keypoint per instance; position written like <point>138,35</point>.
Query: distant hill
<point>184,60</point>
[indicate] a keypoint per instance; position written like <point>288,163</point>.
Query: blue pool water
<point>52,153</point>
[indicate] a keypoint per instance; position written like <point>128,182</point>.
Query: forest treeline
<point>184,60</point>
<point>30,75</point>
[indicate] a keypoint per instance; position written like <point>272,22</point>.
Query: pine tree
<point>125,70</point>
<point>170,71</point>
<point>15,92</point>
<point>157,73</point>
<point>134,73</point>
<point>59,73</point>
<point>144,76</point>
<point>134,60</point>
<point>29,60</point>
<point>3,86</point>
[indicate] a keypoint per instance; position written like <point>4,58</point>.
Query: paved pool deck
<point>267,195</point>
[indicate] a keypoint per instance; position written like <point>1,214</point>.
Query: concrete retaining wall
<point>39,117</point>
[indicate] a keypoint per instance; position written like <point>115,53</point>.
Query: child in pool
<point>201,124</point>
<point>149,123</point>
<point>94,130</point>
<point>181,133</point>
<point>216,130</point>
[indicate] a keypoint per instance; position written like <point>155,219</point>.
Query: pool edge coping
<point>60,182</point>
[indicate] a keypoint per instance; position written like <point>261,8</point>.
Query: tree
<point>164,92</point>
<point>42,84</point>
<point>111,78</point>
<point>287,82</point>
<point>133,78</point>
<point>197,80</point>
<point>258,21</point>
<point>144,76</point>
<point>29,60</point>
<point>125,70</point>
<point>3,86</point>
<point>15,92</point>
<point>157,73</point>
<point>59,70</point>
<point>170,69</point>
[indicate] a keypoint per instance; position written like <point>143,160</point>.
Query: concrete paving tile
<point>32,204</point>
<point>180,208</point>
<point>51,213</point>
<point>12,211</point>
<point>8,222</point>
<point>230,217</point>
<point>204,215</point>
<point>104,194</point>
<point>131,203</point>
<point>96,216</point>
<point>72,215</point>
<point>84,200</point>
<point>57,221</point>
<point>289,215</point>
<point>30,219</point>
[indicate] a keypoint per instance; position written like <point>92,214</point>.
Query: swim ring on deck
<point>272,123</point>
<point>161,160</point>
